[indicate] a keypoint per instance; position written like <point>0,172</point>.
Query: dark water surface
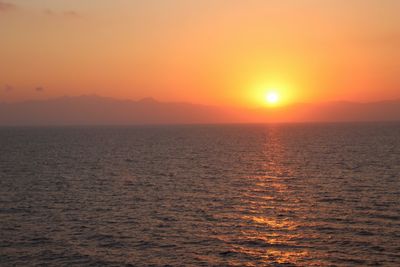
<point>233,195</point>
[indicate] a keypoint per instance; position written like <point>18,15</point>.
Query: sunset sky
<point>217,52</point>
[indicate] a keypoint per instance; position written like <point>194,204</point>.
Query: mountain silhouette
<point>96,110</point>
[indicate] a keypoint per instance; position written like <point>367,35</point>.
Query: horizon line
<point>155,100</point>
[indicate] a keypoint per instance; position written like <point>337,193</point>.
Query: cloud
<point>69,14</point>
<point>39,89</point>
<point>72,14</point>
<point>4,6</point>
<point>48,12</point>
<point>8,88</point>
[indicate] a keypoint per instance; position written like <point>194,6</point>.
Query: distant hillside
<point>337,112</point>
<point>95,110</point>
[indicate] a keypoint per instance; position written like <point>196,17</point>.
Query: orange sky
<point>225,52</point>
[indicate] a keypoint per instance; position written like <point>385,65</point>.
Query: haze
<point>221,53</point>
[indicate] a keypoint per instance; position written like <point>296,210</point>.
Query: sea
<point>322,194</point>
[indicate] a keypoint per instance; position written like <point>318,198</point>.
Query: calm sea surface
<point>232,195</point>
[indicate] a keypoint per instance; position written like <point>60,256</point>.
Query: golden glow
<point>275,91</point>
<point>183,51</point>
<point>272,97</point>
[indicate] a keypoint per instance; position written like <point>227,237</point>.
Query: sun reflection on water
<point>271,231</point>
<point>272,223</point>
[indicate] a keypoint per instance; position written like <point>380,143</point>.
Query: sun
<point>272,98</point>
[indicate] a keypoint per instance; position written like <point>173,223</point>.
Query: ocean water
<point>229,195</point>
